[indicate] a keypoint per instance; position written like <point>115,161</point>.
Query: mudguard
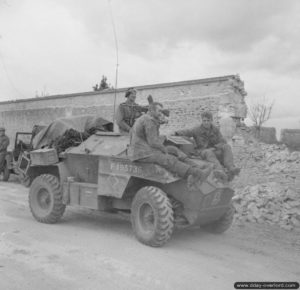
<point>114,174</point>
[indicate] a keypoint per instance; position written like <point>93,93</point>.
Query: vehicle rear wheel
<point>45,199</point>
<point>223,224</point>
<point>6,172</point>
<point>152,216</point>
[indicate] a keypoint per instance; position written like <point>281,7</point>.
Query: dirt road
<point>90,250</point>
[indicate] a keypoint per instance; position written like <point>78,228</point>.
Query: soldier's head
<point>207,119</point>
<point>131,94</point>
<point>157,111</point>
<point>2,131</point>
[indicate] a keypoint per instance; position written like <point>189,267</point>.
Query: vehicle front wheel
<point>152,216</point>
<point>45,199</point>
<point>222,224</point>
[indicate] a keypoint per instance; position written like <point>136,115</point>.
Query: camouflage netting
<point>268,188</point>
<point>69,139</point>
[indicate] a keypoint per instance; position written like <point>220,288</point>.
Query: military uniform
<point>210,145</point>
<point>126,115</point>
<point>147,145</point>
<point>4,142</point>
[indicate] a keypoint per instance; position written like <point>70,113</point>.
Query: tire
<point>6,172</point>
<point>45,199</point>
<point>223,224</point>
<point>152,216</point>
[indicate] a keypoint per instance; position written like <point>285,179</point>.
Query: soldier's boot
<point>229,163</point>
<point>220,175</point>
<point>232,172</point>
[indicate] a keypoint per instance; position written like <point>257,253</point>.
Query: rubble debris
<point>266,203</point>
<point>268,188</point>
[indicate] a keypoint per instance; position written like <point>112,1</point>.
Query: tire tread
<point>165,215</point>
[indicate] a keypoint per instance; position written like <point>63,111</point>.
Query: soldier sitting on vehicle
<point>146,145</point>
<point>210,145</point>
<point>128,112</point>
<point>4,142</point>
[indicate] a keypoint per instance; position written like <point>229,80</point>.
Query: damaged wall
<point>291,138</point>
<point>224,96</point>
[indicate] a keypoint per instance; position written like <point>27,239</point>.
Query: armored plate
<point>108,144</point>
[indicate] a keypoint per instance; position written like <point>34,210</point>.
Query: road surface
<point>92,250</point>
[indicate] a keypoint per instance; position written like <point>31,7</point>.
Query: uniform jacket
<point>126,115</point>
<point>204,138</point>
<point>144,138</point>
<point>4,142</point>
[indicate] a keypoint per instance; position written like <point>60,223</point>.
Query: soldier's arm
<point>120,119</point>
<point>4,144</point>
<point>185,132</point>
<point>153,138</point>
<point>141,109</point>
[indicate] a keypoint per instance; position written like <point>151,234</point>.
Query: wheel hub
<point>147,217</point>
<point>44,199</point>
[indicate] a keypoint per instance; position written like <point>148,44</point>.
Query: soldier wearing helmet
<point>4,142</point>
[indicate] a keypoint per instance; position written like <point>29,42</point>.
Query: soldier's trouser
<point>2,160</point>
<point>222,156</point>
<point>168,162</point>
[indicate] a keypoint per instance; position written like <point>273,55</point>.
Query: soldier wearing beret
<point>128,112</point>
<point>211,145</point>
<point>4,142</point>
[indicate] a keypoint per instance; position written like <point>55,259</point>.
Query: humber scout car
<point>98,175</point>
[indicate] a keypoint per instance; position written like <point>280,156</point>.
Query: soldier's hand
<point>181,156</point>
<point>219,146</point>
<point>172,150</point>
<point>164,150</point>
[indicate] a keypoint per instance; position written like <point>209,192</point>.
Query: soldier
<point>128,112</point>
<point>147,145</point>
<point>4,142</point>
<point>211,145</point>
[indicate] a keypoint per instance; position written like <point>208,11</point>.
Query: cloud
<point>67,45</point>
<point>227,25</point>
<point>43,46</point>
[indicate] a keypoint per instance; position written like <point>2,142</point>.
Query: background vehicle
<point>23,143</point>
<point>98,175</point>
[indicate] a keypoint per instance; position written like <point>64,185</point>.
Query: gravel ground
<point>93,250</point>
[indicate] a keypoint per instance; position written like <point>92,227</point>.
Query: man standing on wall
<point>211,145</point>
<point>4,142</point>
<point>128,112</point>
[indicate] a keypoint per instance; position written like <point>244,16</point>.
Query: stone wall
<point>224,96</point>
<point>291,138</point>
<point>265,134</point>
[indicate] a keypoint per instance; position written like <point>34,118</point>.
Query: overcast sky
<point>65,46</point>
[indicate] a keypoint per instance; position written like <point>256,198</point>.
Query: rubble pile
<point>268,188</point>
<point>267,203</point>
